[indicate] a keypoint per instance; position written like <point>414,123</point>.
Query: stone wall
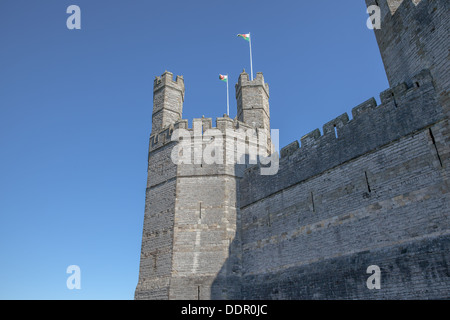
<point>378,193</point>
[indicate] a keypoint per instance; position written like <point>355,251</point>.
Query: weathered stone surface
<point>372,190</point>
<point>414,38</point>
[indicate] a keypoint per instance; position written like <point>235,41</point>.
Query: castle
<point>370,190</point>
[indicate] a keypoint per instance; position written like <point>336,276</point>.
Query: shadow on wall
<point>266,263</point>
<point>418,270</point>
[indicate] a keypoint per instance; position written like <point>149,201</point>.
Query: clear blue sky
<point>75,115</point>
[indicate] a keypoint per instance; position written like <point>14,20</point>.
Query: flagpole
<point>228,99</point>
<point>251,63</point>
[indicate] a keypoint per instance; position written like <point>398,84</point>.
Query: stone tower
<point>411,39</point>
<point>191,237</point>
<point>253,101</point>
<point>157,238</point>
<point>168,97</point>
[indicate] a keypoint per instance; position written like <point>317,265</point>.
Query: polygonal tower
<point>191,242</point>
<point>157,237</point>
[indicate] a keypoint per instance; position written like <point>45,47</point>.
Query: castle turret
<point>253,101</point>
<point>190,238</point>
<point>168,97</point>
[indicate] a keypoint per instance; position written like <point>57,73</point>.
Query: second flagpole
<point>228,99</point>
<point>251,62</point>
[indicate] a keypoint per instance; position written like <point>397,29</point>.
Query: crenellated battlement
<point>164,136</point>
<point>392,6</point>
<point>244,81</point>
<point>404,110</point>
<point>395,4</point>
<point>166,79</point>
<point>392,100</point>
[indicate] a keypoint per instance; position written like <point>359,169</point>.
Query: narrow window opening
<point>312,203</point>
